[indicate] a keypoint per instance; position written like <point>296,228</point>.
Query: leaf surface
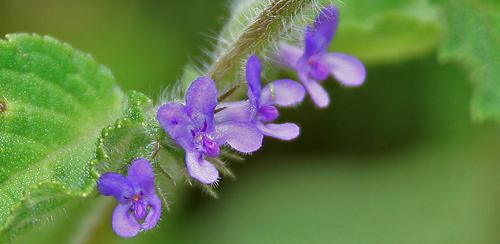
<point>56,102</point>
<point>472,38</point>
<point>386,31</point>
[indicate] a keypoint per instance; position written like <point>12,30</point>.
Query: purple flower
<point>314,63</point>
<point>193,127</point>
<point>259,106</point>
<point>135,194</point>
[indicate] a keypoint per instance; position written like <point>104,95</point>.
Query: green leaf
<point>391,37</point>
<point>386,31</point>
<point>57,100</point>
<point>472,38</point>
<point>130,137</point>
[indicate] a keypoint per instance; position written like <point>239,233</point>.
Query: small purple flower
<point>314,63</point>
<point>135,194</point>
<point>193,127</point>
<point>259,106</point>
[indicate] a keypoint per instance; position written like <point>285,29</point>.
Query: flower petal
<point>288,55</point>
<point>268,113</point>
<point>140,208</point>
<point>346,68</point>
<point>174,120</point>
<point>317,39</point>
<point>316,70</point>
<point>238,111</point>
<point>316,91</point>
<point>212,149</point>
<point>154,213</point>
<point>243,137</point>
<point>117,185</point>
<point>284,92</point>
<point>201,100</point>
<point>254,67</point>
<point>325,26</point>
<point>286,131</point>
<point>124,222</point>
<point>311,47</point>
<point>141,174</point>
<point>201,169</point>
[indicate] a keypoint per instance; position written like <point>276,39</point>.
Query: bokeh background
<point>394,161</point>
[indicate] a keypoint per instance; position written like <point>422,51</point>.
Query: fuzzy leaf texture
<point>126,139</point>
<point>472,38</point>
<point>55,103</point>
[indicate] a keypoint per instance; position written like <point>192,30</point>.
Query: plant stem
<point>261,34</point>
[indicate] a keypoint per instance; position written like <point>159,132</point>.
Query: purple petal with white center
<point>117,185</point>
<point>124,222</point>
<point>316,91</point>
<point>154,213</point>
<point>346,68</point>
<point>174,120</point>
<point>288,55</point>
<point>325,26</point>
<point>254,67</point>
<point>236,111</point>
<point>286,131</point>
<point>201,169</point>
<point>142,175</point>
<point>201,100</point>
<point>284,92</point>
<point>243,137</point>
<point>140,209</point>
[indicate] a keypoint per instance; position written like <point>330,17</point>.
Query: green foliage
<point>57,100</point>
<point>393,37</point>
<point>65,122</point>
<point>386,31</point>
<point>132,136</point>
<point>472,38</point>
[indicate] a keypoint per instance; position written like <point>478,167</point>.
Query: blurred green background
<point>394,161</point>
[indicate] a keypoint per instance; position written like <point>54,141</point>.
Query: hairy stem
<point>259,35</point>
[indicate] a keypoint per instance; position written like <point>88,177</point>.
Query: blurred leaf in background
<point>145,43</point>
<point>394,161</point>
<point>472,38</point>
<point>387,31</point>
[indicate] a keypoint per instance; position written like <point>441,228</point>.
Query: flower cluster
<point>202,125</point>
<point>194,128</point>
<point>200,131</point>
